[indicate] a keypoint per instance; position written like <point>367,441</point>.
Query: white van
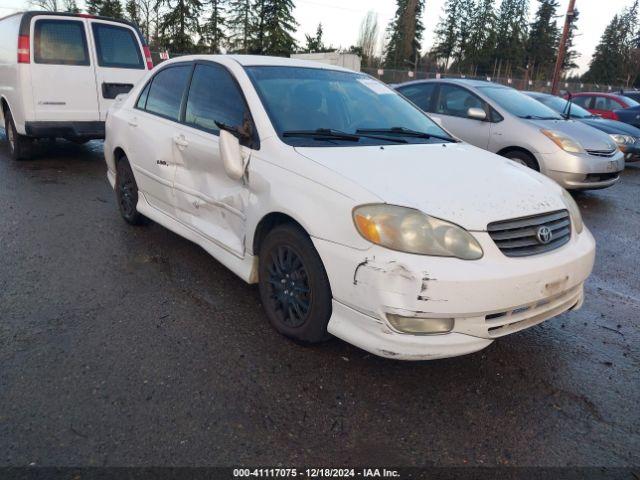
<point>60,72</point>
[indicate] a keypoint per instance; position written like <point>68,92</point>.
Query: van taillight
<point>23,49</point>
<point>147,57</point>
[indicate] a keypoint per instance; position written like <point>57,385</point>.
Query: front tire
<point>127,193</point>
<point>20,146</point>
<point>294,287</point>
<point>523,158</point>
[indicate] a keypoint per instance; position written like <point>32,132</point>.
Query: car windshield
<point>629,101</point>
<point>322,107</point>
<point>518,104</point>
<point>561,106</point>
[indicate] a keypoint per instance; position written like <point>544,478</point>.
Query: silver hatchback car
<point>507,122</point>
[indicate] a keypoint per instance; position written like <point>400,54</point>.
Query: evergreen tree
<point>132,11</point>
<point>542,45</point>
<point>71,6</point>
<point>180,24</point>
<point>315,43</point>
<point>111,8</point>
<point>274,27</point>
<point>605,66</point>
<point>481,41</point>
<point>240,20</point>
<point>448,32</point>
<point>404,34</point>
<point>93,6</point>
<point>511,36</point>
<point>613,61</point>
<point>213,35</point>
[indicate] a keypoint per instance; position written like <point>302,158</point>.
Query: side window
<point>583,101</point>
<point>214,96</point>
<point>60,42</point>
<point>116,47</point>
<point>603,103</point>
<point>142,99</point>
<point>419,94</point>
<point>456,101</point>
<point>166,90</point>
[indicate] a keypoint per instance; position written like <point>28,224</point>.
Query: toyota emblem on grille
<point>545,235</point>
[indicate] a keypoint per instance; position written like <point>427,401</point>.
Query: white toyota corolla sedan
<point>356,214</point>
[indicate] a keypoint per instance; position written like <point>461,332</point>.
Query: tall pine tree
<point>274,27</point>
<point>404,34</point>
<point>481,40</point>
<point>180,24</point>
<point>613,59</point>
<point>511,36</point>
<point>111,8</point>
<point>213,33</point>
<point>240,21</point>
<point>448,32</point>
<point>542,45</point>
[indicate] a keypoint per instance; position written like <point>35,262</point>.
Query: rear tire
<point>523,158</point>
<point>20,146</point>
<point>294,287</point>
<point>127,193</point>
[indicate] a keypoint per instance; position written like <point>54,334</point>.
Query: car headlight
<point>411,231</point>
<point>623,141</point>
<point>574,211</point>
<point>564,142</point>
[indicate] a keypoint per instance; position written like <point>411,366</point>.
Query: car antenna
<point>570,98</point>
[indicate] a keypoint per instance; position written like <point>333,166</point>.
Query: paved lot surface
<point>131,346</point>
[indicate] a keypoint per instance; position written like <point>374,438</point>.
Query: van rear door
<point>120,60</point>
<point>62,74</point>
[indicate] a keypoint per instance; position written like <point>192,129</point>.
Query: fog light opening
<point>420,325</point>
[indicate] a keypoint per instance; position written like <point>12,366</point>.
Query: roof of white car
<point>263,60</point>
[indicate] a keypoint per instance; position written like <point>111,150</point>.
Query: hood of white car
<point>455,182</point>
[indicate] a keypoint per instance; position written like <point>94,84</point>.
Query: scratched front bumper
<point>482,295</point>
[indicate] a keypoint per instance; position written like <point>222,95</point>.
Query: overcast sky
<point>341,19</point>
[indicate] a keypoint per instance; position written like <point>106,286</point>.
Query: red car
<point>603,104</point>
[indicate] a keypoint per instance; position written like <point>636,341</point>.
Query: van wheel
<point>19,145</point>
<point>523,158</point>
<point>294,287</point>
<point>127,193</point>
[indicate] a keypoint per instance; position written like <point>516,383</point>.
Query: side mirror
<point>231,155</point>
<point>477,114</point>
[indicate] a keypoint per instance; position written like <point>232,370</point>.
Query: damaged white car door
<point>208,199</point>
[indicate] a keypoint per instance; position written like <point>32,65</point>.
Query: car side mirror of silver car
<point>231,155</point>
<point>477,114</point>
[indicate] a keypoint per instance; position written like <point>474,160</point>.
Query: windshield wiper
<point>405,132</point>
<point>538,117</point>
<point>323,133</point>
<point>333,134</point>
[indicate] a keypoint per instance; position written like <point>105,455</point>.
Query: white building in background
<point>346,60</point>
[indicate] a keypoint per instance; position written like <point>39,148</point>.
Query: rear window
<point>165,93</point>
<point>117,47</point>
<point>60,42</point>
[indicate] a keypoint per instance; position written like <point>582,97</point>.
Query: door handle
<point>133,122</point>
<point>180,141</point>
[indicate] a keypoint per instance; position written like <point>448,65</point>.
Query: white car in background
<point>354,212</point>
<point>507,122</point>
<point>60,73</point>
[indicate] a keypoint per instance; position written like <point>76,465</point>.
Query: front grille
<point>523,237</point>
<point>602,153</point>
